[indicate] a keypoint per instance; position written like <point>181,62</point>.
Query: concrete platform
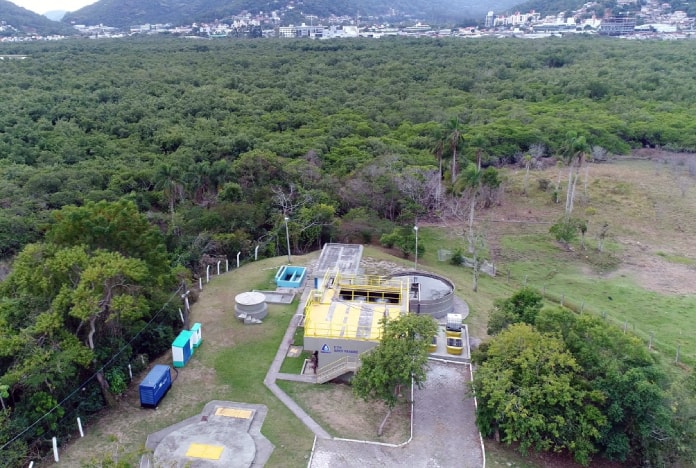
<point>344,257</point>
<point>225,434</point>
<point>441,352</point>
<point>279,296</point>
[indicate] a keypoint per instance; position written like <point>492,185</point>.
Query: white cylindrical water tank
<point>250,305</point>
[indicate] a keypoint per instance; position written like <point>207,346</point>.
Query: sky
<point>42,6</point>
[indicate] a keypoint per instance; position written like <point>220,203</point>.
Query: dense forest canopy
<point>212,126</point>
<point>123,164</point>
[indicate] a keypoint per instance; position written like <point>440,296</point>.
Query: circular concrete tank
<point>250,305</point>
<point>428,293</point>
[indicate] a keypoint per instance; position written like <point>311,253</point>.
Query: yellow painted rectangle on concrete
<point>234,413</point>
<point>209,452</point>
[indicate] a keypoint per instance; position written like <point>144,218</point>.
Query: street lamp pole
<point>415,228</point>
<point>287,237</point>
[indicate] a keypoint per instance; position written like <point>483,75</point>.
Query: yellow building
<point>343,318</point>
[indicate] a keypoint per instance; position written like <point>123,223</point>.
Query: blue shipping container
<point>155,385</point>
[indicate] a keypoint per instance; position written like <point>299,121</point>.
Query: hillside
<point>19,20</point>
<point>125,13</point>
<point>553,7</point>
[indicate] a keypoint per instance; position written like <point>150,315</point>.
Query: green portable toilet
<point>182,349</point>
<point>196,336</point>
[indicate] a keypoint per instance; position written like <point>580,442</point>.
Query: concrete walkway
<point>274,374</point>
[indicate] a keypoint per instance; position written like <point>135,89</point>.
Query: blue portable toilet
<point>155,385</point>
<point>182,349</point>
<point>196,336</point>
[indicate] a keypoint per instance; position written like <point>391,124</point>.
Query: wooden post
<point>55,450</point>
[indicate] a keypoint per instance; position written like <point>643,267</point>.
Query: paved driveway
<point>444,430</point>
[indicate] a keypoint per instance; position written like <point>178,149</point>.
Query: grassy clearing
<point>359,420</point>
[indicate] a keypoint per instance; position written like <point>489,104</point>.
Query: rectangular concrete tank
<point>155,385</point>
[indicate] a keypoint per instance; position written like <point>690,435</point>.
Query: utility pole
<point>415,228</point>
<point>287,237</point>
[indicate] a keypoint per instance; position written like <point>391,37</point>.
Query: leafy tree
<point>529,393</point>
<point>69,303</point>
<point>682,404</point>
<point>639,427</point>
<point>564,231</point>
<point>521,307</point>
<point>399,360</point>
<point>403,238</point>
<point>115,226</point>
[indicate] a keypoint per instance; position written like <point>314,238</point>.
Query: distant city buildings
<point>654,19</point>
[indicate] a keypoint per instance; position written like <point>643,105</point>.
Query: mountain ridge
<point>19,20</point>
<point>126,13</point>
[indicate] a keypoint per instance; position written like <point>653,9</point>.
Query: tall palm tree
<point>454,138</point>
<point>527,165</point>
<point>168,179</point>
<point>471,180</point>
<point>574,152</point>
<point>437,151</point>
